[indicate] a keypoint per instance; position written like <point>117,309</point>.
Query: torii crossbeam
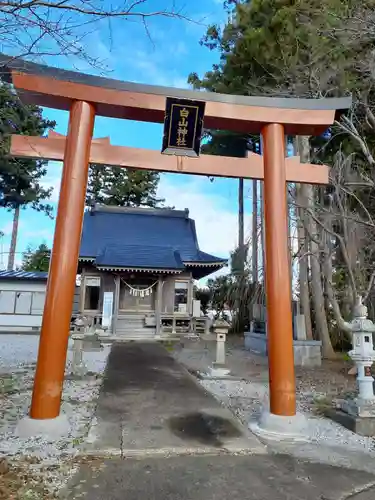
<point>86,96</point>
<point>103,153</point>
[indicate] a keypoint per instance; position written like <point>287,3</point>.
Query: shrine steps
<point>132,326</point>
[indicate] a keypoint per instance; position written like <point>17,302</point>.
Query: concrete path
<point>150,404</point>
<point>173,441</point>
<point>220,477</point>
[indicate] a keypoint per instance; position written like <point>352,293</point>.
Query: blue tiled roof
<point>138,256</point>
<point>23,275</point>
<point>142,238</point>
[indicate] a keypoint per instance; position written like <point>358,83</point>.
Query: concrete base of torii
<point>50,428</point>
<point>279,428</point>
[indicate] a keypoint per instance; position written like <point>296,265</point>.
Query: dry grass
<point>27,480</point>
<point>18,483</point>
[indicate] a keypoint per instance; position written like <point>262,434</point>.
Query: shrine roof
<point>144,239</point>
<point>139,257</point>
<point>23,275</point>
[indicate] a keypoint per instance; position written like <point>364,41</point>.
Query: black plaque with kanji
<point>183,124</point>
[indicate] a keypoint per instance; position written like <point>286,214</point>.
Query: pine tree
<point>20,179</point>
<point>36,259</point>
<point>304,48</point>
<point>122,187</point>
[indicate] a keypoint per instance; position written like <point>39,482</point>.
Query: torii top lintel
<point>57,88</point>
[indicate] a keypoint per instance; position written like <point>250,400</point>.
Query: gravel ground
<point>49,465</point>
<point>51,462</point>
<point>316,388</point>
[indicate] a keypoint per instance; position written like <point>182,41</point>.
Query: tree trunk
<point>13,241</point>
<point>328,277</point>
<point>303,264</point>
<point>255,233</point>
<point>317,288</point>
<point>290,237</point>
<point>262,238</point>
<point>316,275</point>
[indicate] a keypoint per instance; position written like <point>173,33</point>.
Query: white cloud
<point>217,227</point>
<point>179,48</point>
<point>151,69</point>
<point>202,283</point>
<point>38,235</point>
<point>26,235</point>
<point>4,254</point>
<point>53,179</point>
<point>7,228</point>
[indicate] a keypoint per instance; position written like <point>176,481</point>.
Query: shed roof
<point>144,239</point>
<point>23,275</point>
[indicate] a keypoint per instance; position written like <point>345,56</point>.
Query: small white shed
<point>22,296</point>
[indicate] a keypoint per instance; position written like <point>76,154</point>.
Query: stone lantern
<point>363,353</point>
<point>219,369</point>
<point>361,410</point>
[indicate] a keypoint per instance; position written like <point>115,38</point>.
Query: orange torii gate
<point>103,153</point>
<point>86,96</point>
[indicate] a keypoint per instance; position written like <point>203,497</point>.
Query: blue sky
<point>164,57</point>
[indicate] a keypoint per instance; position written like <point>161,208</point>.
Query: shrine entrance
<point>137,295</point>
<point>85,97</point>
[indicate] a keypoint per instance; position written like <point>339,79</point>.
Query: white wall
<point>18,323</point>
<point>24,286</point>
<point>25,313</point>
<point>21,305</point>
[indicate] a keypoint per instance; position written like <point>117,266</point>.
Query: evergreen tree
<point>36,259</point>
<point>296,48</point>
<point>204,296</point>
<point>123,187</point>
<point>304,48</point>
<point>20,179</point>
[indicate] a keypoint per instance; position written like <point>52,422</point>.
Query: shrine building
<point>138,267</point>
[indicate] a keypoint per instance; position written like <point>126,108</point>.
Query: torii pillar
<point>54,337</point>
<point>83,95</point>
<point>278,286</point>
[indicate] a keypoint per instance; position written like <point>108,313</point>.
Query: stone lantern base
<point>218,370</point>
<point>364,408</point>
<point>357,415</point>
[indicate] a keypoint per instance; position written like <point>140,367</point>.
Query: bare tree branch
<point>37,28</point>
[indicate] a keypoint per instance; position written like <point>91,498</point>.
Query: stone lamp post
<point>359,414</point>
<point>363,353</point>
<point>219,369</point>
<point>78,366</point>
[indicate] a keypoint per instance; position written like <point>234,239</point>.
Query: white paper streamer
<point>140,292</point>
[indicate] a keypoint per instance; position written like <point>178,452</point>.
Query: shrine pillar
<point>53,345</point>
<point>278,285</point>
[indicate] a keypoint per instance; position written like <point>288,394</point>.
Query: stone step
<point>135,329</point>
<point>132,316</point>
